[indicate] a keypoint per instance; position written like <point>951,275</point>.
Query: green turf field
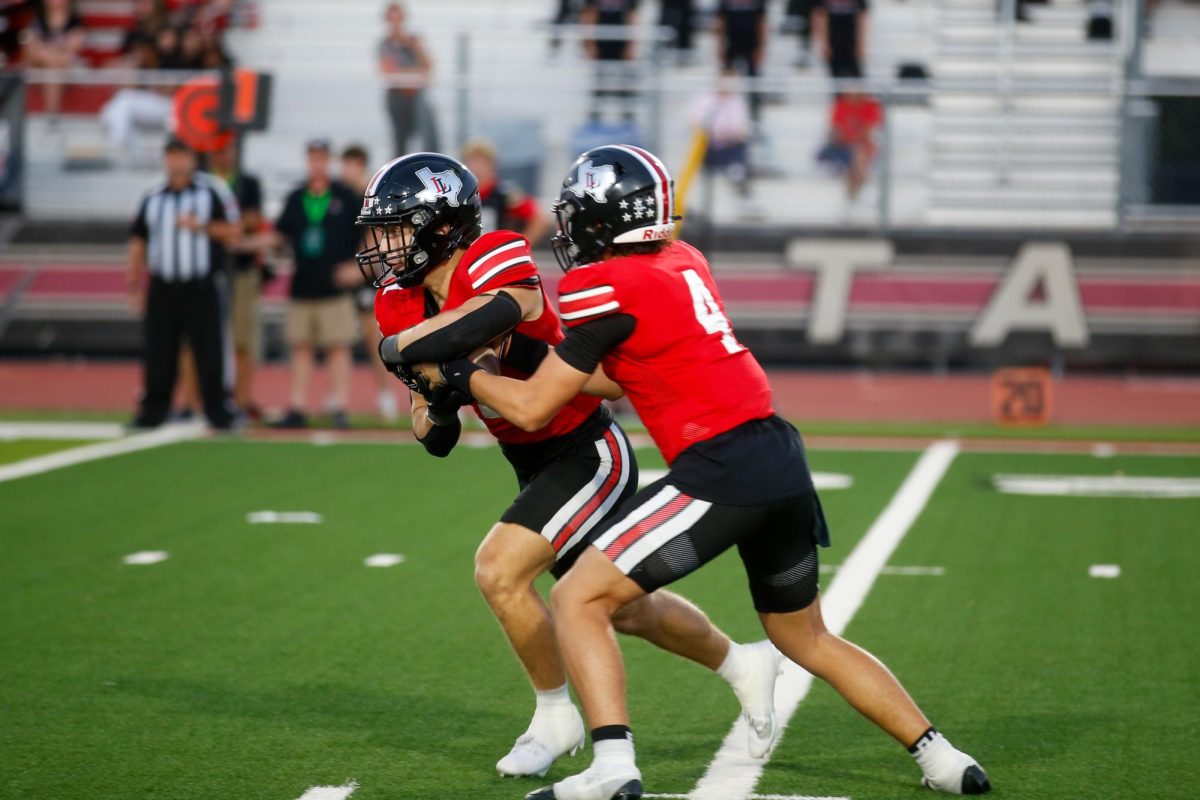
<point>260,660</point>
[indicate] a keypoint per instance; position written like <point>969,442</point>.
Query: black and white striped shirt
<point>174,253</point>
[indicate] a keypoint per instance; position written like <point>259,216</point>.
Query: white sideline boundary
<point>93,452</point>
<point>733,774</point>
<point>13,431</point>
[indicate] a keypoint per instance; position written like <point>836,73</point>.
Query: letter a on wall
<point>1016,306</point>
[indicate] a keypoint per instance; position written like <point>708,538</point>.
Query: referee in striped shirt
<point>177,237</point>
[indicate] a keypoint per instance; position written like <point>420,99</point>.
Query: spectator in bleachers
<point>505,205</point>
<point>854,119</point>
<point>724,116</point>
<point>404,59</point>
<point>212,49</point>
<point>797,19</point>
<point>839,30</point>
<point>139,45</point>
<point>680,17</point>
<point>14,18</point>
<point>566,14</point>
<point>54,40</point>
<point>246,273</point>
<point>742,32</point>
<point>317,225</point>
<point>356,174</point>
<point>612,51</point>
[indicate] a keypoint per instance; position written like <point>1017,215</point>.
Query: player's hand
<point>404,372</point>
<point>430,373</point>
<point>443,405</point>
<point>136,300</point>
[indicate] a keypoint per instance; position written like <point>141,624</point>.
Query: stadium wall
<point>903,300</point>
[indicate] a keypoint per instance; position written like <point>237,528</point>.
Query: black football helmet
<point>417,210</point>
<point>615,194</point>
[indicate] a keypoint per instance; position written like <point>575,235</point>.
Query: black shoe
<point>144,423</point>
<point>340,420</point>
<point>975,781</point>
<point>292,419</point>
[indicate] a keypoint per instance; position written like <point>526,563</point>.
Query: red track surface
<point>841,396</point>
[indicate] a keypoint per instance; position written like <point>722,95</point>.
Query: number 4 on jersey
<point>709,314</point>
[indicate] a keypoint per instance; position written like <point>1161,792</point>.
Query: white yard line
<point>752,797</point>
<point>733,774</point>
<point>284,518</point>
<point>92,452</point>
<point>1097,486</point>
<point>10,431</point>
<point>330,792</point>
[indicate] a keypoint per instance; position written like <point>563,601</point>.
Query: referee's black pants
<point>175,310</point>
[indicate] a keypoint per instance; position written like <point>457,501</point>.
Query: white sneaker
<point>601,781</point>
<point>949,770</point>
<point>755,690</point>
<point>542,744</point>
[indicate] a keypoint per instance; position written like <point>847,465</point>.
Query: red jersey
<point>493,261</point>
<point>687,376</point>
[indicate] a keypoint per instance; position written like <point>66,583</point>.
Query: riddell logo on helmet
<point>656,233</point>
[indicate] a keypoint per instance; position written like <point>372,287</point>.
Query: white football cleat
<point>542,744</point>
<point>967,777</point>
<point>947,769</point>
<point>755,690</point>
<point>600,781</point>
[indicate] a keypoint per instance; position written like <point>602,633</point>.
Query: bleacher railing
<point>1145,174</point>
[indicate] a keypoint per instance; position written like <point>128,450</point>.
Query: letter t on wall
<point>835,262</point>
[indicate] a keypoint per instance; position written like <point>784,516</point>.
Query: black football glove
<point>413,380</point>
<point>443,405</point>
<point>457,375</point>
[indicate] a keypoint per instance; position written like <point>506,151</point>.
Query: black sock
<point>924,738</point>
<point>611,732</point>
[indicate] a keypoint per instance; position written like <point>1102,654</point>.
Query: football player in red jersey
<point>647,309</point>
<point>445,290</point>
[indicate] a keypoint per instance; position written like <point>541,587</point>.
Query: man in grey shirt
<point>406,66</point>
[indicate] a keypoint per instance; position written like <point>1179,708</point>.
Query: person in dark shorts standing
<point>246,275</point>
<point>612,51</point>
<point>356,174</point>
<point>404,59</point>
<point>646,309</point>
<point>742,33</point>
<point>839,29</point>
<point>445,290</point>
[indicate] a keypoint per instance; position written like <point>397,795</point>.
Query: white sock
<point>930,750</point>
<point>731,667</point>
<point>553,700</point>
<point>614,751</point>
